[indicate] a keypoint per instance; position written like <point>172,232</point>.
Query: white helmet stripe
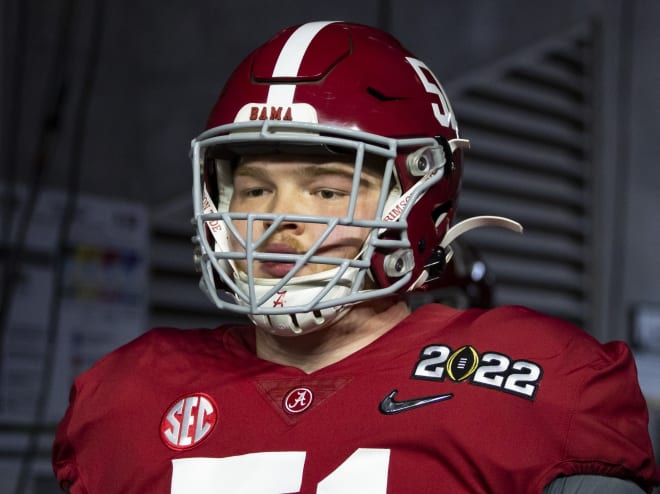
<point>289,61</point>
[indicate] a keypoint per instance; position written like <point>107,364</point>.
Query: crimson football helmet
<point>329,89</point>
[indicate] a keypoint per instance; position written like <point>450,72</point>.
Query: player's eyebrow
<point>306,170</point>
<point>250,171</point>
<point>327,169</point>
<point>367,178</point>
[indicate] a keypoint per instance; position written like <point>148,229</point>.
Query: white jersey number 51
<point>279,472</point>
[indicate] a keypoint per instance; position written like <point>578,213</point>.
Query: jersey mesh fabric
<point>586,414</point>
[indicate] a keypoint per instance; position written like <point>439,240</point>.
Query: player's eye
<point>254,192</point>
<point>330,194</point>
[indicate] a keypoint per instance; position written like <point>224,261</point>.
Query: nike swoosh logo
<point>390,406</point>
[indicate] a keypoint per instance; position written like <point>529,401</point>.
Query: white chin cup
<point>299,292</point>
<point>300,323</point>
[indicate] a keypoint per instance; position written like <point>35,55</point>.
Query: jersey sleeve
<point>608,428</point>
<point>81,424</point>
<point>592,484</point>
<point>64,458</point>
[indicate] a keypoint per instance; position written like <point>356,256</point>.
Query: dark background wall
<point>157,67</point>
<point>160,67</point>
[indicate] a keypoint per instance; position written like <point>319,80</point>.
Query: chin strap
<point>476,222</point>
<point>456,231</point>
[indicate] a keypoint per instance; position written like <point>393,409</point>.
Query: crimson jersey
<point>473,401</point>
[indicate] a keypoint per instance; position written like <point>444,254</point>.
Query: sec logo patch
<point>188,421</point>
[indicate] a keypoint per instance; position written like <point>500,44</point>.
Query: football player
<point>324,191</point>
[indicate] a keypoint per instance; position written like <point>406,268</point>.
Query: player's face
<point>309,186</point>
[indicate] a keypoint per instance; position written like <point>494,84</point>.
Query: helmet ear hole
<point>440,212</point>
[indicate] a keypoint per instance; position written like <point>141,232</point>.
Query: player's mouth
<point>277,269</point>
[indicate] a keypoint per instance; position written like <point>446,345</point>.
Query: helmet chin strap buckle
<point>443,253</point>
<point>436,263</point>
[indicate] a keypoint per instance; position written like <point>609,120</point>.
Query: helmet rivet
<point>399,263</point>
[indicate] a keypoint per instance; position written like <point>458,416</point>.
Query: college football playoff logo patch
<point>492,370</point>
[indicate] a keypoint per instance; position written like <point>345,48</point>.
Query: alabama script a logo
<point>279,301</point>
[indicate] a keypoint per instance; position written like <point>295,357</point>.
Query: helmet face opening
<point>369,124</point>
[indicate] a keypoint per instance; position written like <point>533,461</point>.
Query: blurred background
<point>99,101</point>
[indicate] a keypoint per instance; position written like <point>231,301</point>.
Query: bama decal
<point>489,369</point>
<point>297,112</point>
<point>188,421</point>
